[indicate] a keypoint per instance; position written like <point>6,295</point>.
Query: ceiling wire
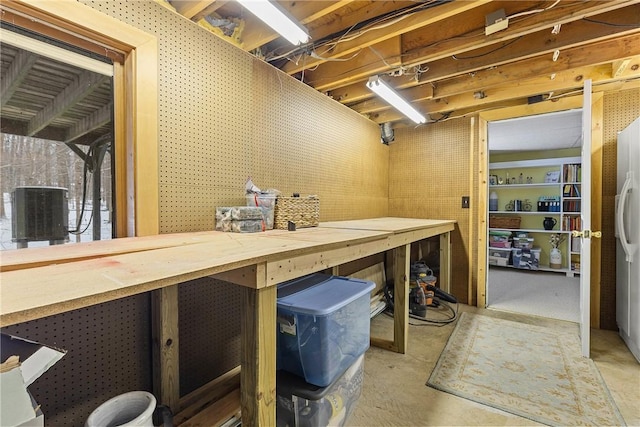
<point>373,25</point>
<point>458,58</point>
<point>611,24</point>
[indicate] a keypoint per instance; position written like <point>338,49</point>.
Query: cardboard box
<point>23,362</point>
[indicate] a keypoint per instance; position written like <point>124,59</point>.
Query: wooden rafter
<point>96,120</point>
<point>412,22</point>
<point>579,33</point>
<point>258,34</point>
<point>82,87</point>
<point>18,70</point>
<point>513,73</point>
<point>191,8</point>
<point>447,48</point>
<point>565,81</point>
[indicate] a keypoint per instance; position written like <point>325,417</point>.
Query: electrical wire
<point>433,322</point>
<point>611,24</point>
<point>377,23</point>
<point>458,58</point>
<point>530,12</point>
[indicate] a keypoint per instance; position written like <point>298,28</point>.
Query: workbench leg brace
<point>258,355</point>
<point>399,258</point>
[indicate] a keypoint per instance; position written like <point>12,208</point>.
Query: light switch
<point>465,202</point>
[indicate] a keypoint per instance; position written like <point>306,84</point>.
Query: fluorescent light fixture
<point>270,14</point>
<point>389,95</point>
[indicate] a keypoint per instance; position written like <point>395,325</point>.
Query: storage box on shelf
<point>496,221</point>
<point>528,259</point>
<point>300,404</point>
<point>499,256</point>
<point>323,326</point>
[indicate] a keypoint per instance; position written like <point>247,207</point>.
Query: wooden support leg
<point>166,364</point>
<point>401,297</point>
<point>258,358</point>
<point>445,262</point>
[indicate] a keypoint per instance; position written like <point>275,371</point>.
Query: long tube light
<point>271,15</point>
<point>388,94</point>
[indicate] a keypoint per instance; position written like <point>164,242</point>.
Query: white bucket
<point>134,408</point>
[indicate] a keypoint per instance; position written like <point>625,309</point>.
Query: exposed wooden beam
<point>257,33</point>
<point>565,81</point>
<point>456,46</point>
<point>84,85</point>
<point>96,120</point>
<point>544,20</point>
<point>190,8</point>
<point>599,53</point>
<point>411,22</point>
<point>574,34</point>
<point>618,67</point>
<point>370,61</point>
<point>13,77</point>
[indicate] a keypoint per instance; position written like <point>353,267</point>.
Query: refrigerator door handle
<point>629,249</point>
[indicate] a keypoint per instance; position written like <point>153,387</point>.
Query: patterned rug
<point>530,371</point>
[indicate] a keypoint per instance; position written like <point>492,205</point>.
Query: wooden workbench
<point>40,283</point>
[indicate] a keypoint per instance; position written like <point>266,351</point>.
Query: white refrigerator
<point>628,237</point>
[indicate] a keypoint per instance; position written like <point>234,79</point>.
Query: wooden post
<point>401,297</point>
<point>166,363</point>
<point>258,358</point>
<point>445,262</point>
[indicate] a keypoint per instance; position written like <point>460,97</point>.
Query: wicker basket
<point>302,211</point>
<point>496,221</point>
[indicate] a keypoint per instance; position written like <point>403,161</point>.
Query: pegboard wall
<point>223,116</point>
<point>620,109</point>
<point>213,347</point>
<point>108,353</point>
<point>429,172</point>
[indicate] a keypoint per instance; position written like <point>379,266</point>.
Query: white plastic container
<point>268,204</point>
<point>131,409</point>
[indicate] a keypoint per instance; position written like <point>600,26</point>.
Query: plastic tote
<point>134,408</point>
<point>323,326</point>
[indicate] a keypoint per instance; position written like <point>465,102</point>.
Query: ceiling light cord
<point>530,12</point>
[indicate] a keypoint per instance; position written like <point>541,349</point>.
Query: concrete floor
<point>395,394</point>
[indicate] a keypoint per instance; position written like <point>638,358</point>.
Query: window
<point>56,143</point>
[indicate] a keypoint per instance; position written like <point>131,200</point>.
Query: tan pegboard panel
<point>620,109</point>
<point>108,353</point>
<point>212,348</point>
<point>305,142</point>
<point>223,116</point>
<point>429,172</point>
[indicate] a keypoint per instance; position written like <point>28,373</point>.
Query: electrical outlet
<point>465,202</point>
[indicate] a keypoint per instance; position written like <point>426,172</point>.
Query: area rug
<point>535,372</point>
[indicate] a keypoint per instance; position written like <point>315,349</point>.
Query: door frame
<point>135,87</point>
<point>482,223</point>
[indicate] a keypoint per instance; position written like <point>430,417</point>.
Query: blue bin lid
<point>321,294</point>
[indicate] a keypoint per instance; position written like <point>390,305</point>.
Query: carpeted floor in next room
<point>395,394</point>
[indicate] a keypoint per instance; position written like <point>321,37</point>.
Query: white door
<point>585,255</point>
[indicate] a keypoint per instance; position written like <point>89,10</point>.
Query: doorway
<point>534,204</point>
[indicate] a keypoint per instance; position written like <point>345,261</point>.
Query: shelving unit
<point>548,187</point>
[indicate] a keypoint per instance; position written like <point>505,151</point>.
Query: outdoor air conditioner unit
<point>39,213</point>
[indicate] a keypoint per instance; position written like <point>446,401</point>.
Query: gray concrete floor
<point>395,394</point>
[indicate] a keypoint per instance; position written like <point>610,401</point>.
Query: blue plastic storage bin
<point>323,326</point>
